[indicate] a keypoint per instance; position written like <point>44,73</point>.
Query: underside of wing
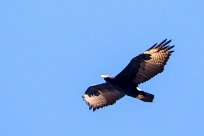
<point>101,95</point>
<point>148,64</point>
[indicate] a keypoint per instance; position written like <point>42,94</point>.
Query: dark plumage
<point>140,69</point>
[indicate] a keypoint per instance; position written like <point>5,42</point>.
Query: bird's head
<point>107,78</point>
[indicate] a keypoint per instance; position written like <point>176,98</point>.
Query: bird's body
<point>140,69</point>
<point>127,87</point>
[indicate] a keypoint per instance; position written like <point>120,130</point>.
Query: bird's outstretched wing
<point>148,64</point>
<point>101,95</point>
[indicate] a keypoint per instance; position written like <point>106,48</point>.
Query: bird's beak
<point>103,76</point>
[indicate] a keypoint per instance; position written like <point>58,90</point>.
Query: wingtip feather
<point>166,43</point>
<point>162,43</point>
<point>152,46</point>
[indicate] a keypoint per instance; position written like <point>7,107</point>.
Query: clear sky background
<point>51,51</point>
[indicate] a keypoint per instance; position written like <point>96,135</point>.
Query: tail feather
<point>144,96</point>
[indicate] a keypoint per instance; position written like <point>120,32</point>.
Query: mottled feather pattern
<point>158,56</point>
<point>101,95</point>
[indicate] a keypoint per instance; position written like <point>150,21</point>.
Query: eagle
<point>139,70</point>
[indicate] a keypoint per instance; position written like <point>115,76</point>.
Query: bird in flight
<point>140,69</point>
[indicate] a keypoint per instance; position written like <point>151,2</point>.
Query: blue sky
<point>51,51</point>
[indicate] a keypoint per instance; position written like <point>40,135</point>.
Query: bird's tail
<point>144,96</point>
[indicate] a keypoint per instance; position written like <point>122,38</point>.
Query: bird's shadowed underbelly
<point>127,90</point>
